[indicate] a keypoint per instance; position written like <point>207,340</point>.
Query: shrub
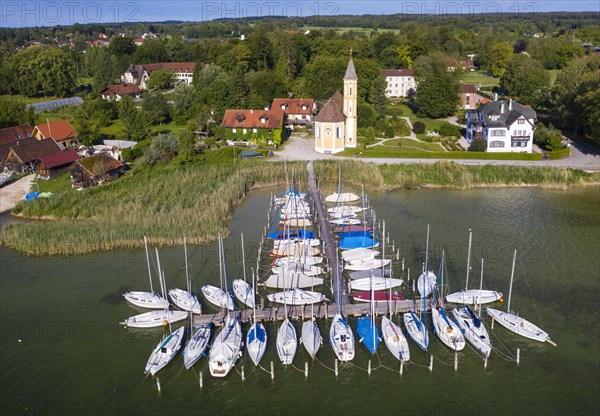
<point>449,130</point>
<point>389,132</point>
<point>393,111</point>
<point>478,145</point>
<point>419,127</point>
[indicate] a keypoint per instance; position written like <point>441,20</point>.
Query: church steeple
<point>350,71</point>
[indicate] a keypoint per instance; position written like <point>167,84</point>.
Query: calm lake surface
<point>63,352</point>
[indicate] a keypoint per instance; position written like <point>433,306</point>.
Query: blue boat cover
<point>365,329</point>
<point>31,195</point>
<point>257,332</point>
<point>347,243</point>
<point>443,313</point>
<point>278,235</point>
<point>474,317</point>
<point>356,234</point>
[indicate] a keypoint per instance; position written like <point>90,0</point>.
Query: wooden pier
<point>321,311</point>
<point>335,265</point>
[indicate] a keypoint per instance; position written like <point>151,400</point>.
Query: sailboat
<point>341,337</point>
<point>427,280</point>
<point>416,328</point>
<point>515,323</point>
<point>241,289</point>
<point>297,296</point>
<point>226,348</point>
<point>256,340</point>
<point>472,326</point>
<point>196,346</point>
<point>472,296</point>
<point>286,339</point>
<point>149,300</point>
<point>377,283</point>
<point>298,268</point>
<point>366,264</point>
<point>156,318</point>
<point>183,299</point>
<point>446,330</point>
<point>394,340</point>
<point>166,350</point>
<point>366,328</point>
<point>216,295</point>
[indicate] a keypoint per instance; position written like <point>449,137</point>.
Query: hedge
<point>560,154</point>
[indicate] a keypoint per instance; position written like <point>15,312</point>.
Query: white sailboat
<point>360,253</point>
<point>241,289</point>
<point>515,323</point>
<point>341,337</point>
<point>148,300</point>
<point>287,342</point>
<point>472,296</point>
<point>417,328</point>
<point>472,326</point>
<point>446,330</point>
<point>378,283</point>
<point>297,296</point>
<point>345,221</point>
<point>216,295</point>
<point>367,264</point>
<point>342,198</point>
<point>298,268</point>
<point>196,346</point>
<point>164,352</point>
<point>185,299</point>
<point>226,348</point>
<point>291,280</point>
<point>427,280</point>
<point>394,339</point>
<point>256,339</point>
<point>311,242</point>
<point>311,337</point>
<point>306,261</point>
<point>367,273</point>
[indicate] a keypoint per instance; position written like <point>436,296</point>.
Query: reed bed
<point>168,202</point>
<point>163,204</point>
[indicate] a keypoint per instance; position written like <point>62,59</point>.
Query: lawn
<point>116,127</point>
<point>411,145</point>
<point>26,100</point>
<point>430,125</point>
<point>58,184</point>
<point>478,78</point>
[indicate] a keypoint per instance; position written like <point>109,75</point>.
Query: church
<point>335,125</point>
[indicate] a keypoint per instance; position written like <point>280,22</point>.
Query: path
<point>11,194</point>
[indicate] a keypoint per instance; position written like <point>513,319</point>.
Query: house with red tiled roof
<point>118,91</point>
<point>12,134</point>
<point>298,111</point>
<point>140,74</point>
<point>258,126</point>
<point>399,82</point>
<point>49,166</point>
<point>61,131</point>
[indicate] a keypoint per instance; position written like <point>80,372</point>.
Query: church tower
<point>350,104</point>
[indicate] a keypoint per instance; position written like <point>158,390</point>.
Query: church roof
<point>332,111</point>
<point>350,71</point>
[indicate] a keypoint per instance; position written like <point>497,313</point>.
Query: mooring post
<point>336,367</point>
<point>401,367</point>
<point>243,376</point>
<point>200,381</point>
<point>485,363</point>
<point>430,363</point>
<point>402,260</point>
<point>158,384</point>
<point>492,323</point>
<point>369,368</point>
<point>305,369</point>
<point>272,372</point>
<point>393,246</point>
<point>518,355</point>
<point>455,361</point>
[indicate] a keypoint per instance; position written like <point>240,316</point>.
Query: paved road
<point>298,148</point>
<point>11,194</point>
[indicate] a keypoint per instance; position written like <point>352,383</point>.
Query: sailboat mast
<point>468,260</point>
<point>243,258</point>
<point>426,251</point>
<point>165,286</point>
<point>148,264</point>
<point>480,286</point>
<point>253,294</point>
<point>372,311</point>
<point>512,275</point>
<point>162,289</point>
<point>220,264</point>
<point>187,275</point>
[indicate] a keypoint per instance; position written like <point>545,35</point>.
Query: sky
<point>19,13</point>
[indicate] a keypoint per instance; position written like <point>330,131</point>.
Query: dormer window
<point>521,121</point>
<point>263,119</point>
<point>18,137</point>
<point>304,107</point>
<point>283,106</point>
<point>241,118</point>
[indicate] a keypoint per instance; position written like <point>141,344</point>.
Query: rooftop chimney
<point>502,108</point>
<point>510,105</point>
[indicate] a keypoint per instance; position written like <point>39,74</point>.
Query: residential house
<point>470,98</point>
<point>505,125</point>
<point>49,166</point>
<point>260,126</point>
<point>61,131</point>
<point>12,134</point>
<point>23,156</point>
<point>336,123</point>
<point>95,170</point>
<point>118,91</point>
<point>138,41</point>
<point>298,111</point>
<point>467,65</point>
<point>399,82</point>
<point>140,74</point>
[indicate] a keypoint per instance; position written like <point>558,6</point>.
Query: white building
<point>140,74</point>
<point>399,82</point>
<point>505,125</point>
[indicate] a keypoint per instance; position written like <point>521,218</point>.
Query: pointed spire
<point>350,71</point>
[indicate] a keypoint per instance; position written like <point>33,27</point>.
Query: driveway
<point>582,157</point>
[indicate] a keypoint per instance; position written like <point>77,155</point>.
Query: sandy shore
<point>12,193</point>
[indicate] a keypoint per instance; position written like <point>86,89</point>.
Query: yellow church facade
<point>336,123</point>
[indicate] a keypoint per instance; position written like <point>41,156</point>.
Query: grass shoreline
<point>167,202</point>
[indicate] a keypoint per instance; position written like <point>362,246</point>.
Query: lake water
<point>63,352</point>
